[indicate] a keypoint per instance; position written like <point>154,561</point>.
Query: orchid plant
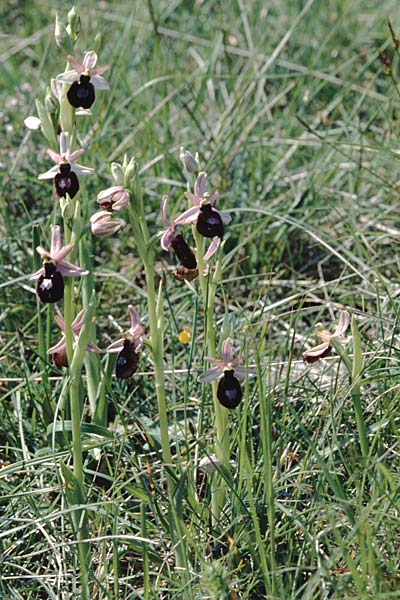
<point>71,93</point>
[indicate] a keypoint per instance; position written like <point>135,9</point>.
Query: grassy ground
<point>295,119</point>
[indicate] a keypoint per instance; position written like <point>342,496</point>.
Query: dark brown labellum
<point>127,361</point>
<point>209,223</point>
<point>50,286</point>
<point>184,252</point>
<point>66,181</point>
<point>60,359</point>
<point>229,392</point>
<point>81,93</point>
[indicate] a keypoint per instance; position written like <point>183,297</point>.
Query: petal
<point>89,60</point>
<point>167,238</point>
<point>81,170</point>
<point>77,323</point>
<point>243,372</point>
<point>226,350</point>
<point>164,202</point>
<point>56,88</point>
<point>224,217</point>
<point>60,322</point>
<point>74,155</point>
<point>116,346</point>
<point>54,156</point>
<point>343,324</point>
<point>134,318</point>
<point>317,352</point>
<point>37,274</point>
<point>91,347</point>
<point>32,123</point>
<point>62,252</point>
<point>210,375</point>
<point>200,184</point>
<point>43,253</point>
<point>56,242</point>
<point>195,200</point>
<point>122,201</point>
<point>99,70</point>
<point>59,347</point>
<point>213,197</point>
<point>78,67</point>
<point>213,247</point>
<point>109,192</point>
<point>68,270</point>
<point>99,83</point>
<point>68,77</point>
<point>189,216</point>
<point>50,174</point>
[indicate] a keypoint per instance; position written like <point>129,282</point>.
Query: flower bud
<point>50,102</point>
<point>74,24</point>
<point>189,162</point>
<point>130,172</point>
<point>63,40</point>
<point>67,208</point>
<point>103,225</point>
<point>117,173</point>
<point>113,198</point>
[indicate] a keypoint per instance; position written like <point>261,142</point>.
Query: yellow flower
<point>184,336</point>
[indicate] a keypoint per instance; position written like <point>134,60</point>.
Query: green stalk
<point>208,286</point>
<point>156,325</point>
<point>80,515</point>
<point>356,390</point>
<point>354,368</point>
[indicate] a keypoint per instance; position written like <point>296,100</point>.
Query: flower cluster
<point>209,222</point>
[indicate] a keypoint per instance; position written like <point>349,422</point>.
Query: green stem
<point>208,286</point>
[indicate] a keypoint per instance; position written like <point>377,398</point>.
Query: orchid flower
<point>209,221</point>
<point>103,225</point>
<point>324,349</point>
<point>173,238</point>
<point>128,347</point>
<point>84,77</point>
<point>59,350</point>
<point>115,197</point>
<point>226,369</point>
<point>65,172</point>
<point>50,282</point>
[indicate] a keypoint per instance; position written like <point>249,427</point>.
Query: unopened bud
<point>63,40</point>
<point>103,225</point>
<point>74,24</point>
<point>50,102</point>
<point>189,162</point>
<point>117,173</point>
<point>130,172</point>
<point>67,208</point>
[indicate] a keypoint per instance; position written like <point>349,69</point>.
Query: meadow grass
<point>295,120</point>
